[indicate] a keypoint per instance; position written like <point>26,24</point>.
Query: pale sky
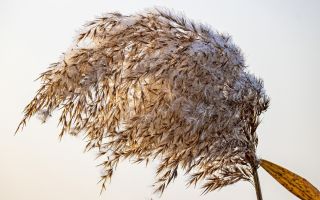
<point>280,40</point>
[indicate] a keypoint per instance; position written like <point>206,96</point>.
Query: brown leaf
<point>291,181</point>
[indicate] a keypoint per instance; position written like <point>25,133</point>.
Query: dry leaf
<point>291,181</point>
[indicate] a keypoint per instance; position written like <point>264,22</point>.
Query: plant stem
<point>257,183</point>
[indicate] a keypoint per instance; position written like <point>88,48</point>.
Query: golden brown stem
<point>257,182</point>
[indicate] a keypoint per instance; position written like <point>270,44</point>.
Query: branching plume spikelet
<point>156,85</point>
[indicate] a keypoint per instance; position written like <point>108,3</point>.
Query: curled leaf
<point>291,181</point>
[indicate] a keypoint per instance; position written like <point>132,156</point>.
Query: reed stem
<point>257,182</point>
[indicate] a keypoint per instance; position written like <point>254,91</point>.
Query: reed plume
<point>155,85</point>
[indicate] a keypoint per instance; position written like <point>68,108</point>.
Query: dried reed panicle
<point>156,85</point>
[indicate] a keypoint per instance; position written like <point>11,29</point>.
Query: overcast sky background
<point>280,40</point>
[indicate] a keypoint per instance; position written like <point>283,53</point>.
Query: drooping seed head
<point>156,85</point>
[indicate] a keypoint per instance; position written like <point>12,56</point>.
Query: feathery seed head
<point>155,85</point>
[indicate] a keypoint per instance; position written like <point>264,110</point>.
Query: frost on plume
<point>155,85</point>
